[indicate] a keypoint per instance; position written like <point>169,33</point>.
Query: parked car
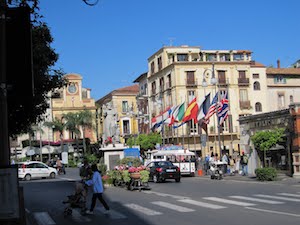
<point>35,169</point>
<point>162,170</point>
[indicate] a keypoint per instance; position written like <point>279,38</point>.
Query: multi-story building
<point>73,98</point>
<point>283,87</point>
<point>178,74</point>
<point>119,113</point>
<point>142,104</point>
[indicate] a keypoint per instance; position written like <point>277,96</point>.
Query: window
<point>255,75</point>
<point>190,77</point>
<point>193,127</point>
<point>221,76</point>
<point>224,57</point>
<point>243,95</point>
<point>153,85</point>
<point>169,84</point>
<point>182,57</point>
<point>125,107</point>
<point>126,129</point>
<point>161,84</point>
<point>238,57</point>
<point>84,93</point>
<point>211,57</point>
<point>242,74</point>
<point>256,86</point>
<point>281,103</point>
<point>159,63</point>
<point>279,80</point>
<point>258,107</point>
<point>191,95</point>
<point>152,68</point>
<point>291,98</point>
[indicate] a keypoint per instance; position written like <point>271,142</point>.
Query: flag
<point>203,107</point>
<point>191,111</point>
<point>177,113</point>
<point>160,119</point>
<point>223,109</point>
<point>212,107</point>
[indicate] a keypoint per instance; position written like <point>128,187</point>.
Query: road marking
<point>166,195</point>
<point>288,194</point>
<point>142,209</point>
<point>274,212</point>
<point>76,216</point>
<point>201,204</point>
<point>278,197</point>
<point>256,199</point>
<point>227,201</point>
<point>112,214</point>
<point>43,218</point>
<point>173,206</point>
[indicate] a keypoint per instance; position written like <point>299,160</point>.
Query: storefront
<point>279,156</point>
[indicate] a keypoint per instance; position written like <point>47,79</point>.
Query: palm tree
<point>72,121</point>
<point>85,120</point>
<point>57,125</point>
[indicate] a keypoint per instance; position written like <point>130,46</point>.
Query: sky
<point>109,44</point>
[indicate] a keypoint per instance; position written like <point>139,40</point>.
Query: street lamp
<point>213,81</point>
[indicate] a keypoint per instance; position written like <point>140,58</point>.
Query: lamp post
<point>213,81</point>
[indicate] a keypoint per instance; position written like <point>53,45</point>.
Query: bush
<point>71,163</point>
<point>266,174</point>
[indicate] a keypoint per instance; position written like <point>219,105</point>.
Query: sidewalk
<point>252,178</point>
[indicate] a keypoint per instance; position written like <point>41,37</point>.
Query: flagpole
<point>215,83</point>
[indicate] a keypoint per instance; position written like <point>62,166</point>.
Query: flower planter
<point>135,175</point>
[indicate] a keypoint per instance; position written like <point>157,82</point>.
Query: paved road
<point>198,200</point>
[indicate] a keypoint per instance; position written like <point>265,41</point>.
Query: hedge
<point>266,174</point>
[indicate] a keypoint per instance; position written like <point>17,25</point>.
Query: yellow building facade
<point>73,98</point>
<point>118,114</point>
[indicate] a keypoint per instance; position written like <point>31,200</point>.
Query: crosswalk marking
<point>278,197</point>
<point>274,212</point>
<point>166,195</point>
<point>142,209</point>
<point>227,201</point>
<point>77,217</point>
<point>201,204</point>
<point>173,206</point>
<point>256,199</point>
<point>288,194</point>
<point>112,214</point>
<point>43,218</point>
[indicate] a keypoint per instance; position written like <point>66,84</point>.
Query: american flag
<point>212,107</point>
<point>223,109</point>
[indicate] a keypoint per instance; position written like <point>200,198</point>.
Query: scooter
<point>216,172</point>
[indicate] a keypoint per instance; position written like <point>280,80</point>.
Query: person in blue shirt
<point>96,182</point>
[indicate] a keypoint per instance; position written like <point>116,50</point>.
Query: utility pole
<point>4,140</point>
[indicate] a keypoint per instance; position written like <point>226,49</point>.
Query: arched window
<point>256,85</point>
<point>258,107</point>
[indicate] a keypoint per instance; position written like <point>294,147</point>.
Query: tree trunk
<point>83,140</point>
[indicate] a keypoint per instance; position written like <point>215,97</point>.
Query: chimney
<point>278,63</point>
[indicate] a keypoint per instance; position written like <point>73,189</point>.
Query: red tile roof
<point>284,71</point>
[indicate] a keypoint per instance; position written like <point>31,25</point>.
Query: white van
<point>180,157</point>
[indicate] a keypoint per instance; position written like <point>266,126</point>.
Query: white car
<point>35,169</point>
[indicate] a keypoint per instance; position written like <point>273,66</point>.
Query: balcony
<point>243,81</point>
<point>191,83</point>
<point>245,104</point>
<point>168,85</point>
<point>222,82</point>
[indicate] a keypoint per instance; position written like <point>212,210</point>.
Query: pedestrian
<point>84,170</point>
<point>96,182</point>
<point>59,166</point>
<point>225,162</point>
<point>244,164</point>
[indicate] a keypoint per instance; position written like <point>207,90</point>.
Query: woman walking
<point>96,182</point>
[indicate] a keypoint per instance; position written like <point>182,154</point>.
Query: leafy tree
<point>145,141</point>
<point>71,124</point>
<point>264,140</point>
<point>22,114</point>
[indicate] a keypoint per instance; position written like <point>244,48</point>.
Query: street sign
<point>64,157</point>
